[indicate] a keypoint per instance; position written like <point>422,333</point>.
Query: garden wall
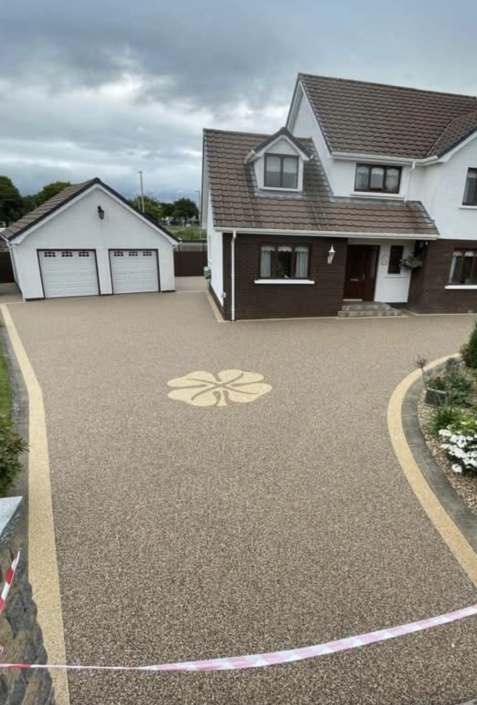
<point>20,634</point>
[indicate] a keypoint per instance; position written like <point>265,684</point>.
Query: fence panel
<point>190,258</point>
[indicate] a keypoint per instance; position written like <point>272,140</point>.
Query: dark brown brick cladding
<point>428,294</point>
<point>324,298</point>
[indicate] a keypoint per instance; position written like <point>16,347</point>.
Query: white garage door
<point>68,273</point>
<point>134,271</point>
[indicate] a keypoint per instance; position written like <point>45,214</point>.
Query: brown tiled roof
<point>46,208</point>
<point>237,203</point>
<point>456,131</point>
<point>372,118</point>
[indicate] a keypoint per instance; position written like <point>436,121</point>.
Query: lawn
<point>5,388</point>
<point>184,233</point>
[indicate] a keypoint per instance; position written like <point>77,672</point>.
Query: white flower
<point>457,468</point>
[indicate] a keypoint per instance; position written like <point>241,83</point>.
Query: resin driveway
<point>192,531</point>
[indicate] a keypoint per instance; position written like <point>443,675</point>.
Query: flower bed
<point>465,484</point>
<point>450,425</point>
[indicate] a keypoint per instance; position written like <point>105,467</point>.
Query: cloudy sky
<point>110,87</point>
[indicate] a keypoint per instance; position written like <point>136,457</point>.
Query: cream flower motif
<point>203,389</point>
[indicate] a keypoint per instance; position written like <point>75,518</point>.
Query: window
<point>118,253</point>
<point>83,253</point>
<point>463,267</point>
<point>67,254</point>
<point>147,253</point>
<point>49,253</point>
<point>284,262</point>
<point>470,193</point>
<point>395,257</point>
<point>281,171</point>
<point>385,179</point>
<point>133,253</point>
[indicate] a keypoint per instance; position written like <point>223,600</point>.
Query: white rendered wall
<point>214,254</point>
<point>441,189</point>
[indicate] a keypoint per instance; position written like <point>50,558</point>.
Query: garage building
<point>87,240</point>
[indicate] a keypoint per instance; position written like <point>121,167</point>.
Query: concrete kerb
<point>455,523</point>
<point>43,565</point>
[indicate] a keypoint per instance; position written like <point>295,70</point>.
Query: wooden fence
<point>6,269</point>
<point>190,258</point>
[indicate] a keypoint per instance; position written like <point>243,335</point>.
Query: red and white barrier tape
<point>275,657</point>
<point>7,585</point>
<point>8,581</point>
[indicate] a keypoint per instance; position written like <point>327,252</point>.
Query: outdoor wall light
<point>100,213</point>
<point>331,255</point>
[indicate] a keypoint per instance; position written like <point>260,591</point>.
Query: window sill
<point>281,188</point>
<point>468,208</point>
<point>284,281</point>
<point>461,286</point>
<point>377,194</point>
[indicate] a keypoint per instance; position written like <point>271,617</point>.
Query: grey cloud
<point>66,107</point>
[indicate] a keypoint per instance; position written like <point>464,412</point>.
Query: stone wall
<point>20,634</point>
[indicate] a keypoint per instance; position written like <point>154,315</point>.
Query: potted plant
<point>411,262</point>
<point>435,386</point>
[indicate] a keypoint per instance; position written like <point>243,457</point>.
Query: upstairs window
<point>284,262</point>
<point>281,171</point>
<point>380,179</point>
<point>470,193</point>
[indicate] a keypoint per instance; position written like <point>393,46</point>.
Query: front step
<point>373,309</point>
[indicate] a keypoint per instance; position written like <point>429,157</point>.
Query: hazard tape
<point>7,585</point>
<point>275,657</point>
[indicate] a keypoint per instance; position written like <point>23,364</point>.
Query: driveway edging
<point>43,564</point>
<point>436,495</point>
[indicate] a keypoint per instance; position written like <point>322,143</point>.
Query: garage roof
<point>61,199</point>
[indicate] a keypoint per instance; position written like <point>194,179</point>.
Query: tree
<point>11,202</point>
<point>152,207</point>
<point>49,191</point>
<point>186,209</point>
<point>167,210</point>
<point>29,204</point>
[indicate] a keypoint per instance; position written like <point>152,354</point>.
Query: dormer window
<point>281,171</point>
<point>380,179</point>
<point>279,161</point>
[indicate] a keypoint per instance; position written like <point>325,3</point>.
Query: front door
<point>360,278</point>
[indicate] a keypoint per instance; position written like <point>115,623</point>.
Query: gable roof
<point>373,118</point>
<point>282,132</point>
<point>61,199</point>
<point>238,203</point>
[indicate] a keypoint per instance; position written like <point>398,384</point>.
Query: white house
<point>85,241</point>
<point>369,193</point>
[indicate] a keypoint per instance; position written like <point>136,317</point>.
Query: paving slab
<point>188,532</point>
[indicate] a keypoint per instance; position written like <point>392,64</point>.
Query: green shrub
<point>459,386</point>
<point>11,445</point>
<point>445,416</point>
<point>464,352</point>
<point>469,350</point>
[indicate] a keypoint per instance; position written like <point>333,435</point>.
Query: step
<point>370,313</point>
<point>366,306</point>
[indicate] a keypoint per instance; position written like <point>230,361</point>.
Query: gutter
<point>331,233</point>
<point>377,158</point>
<point>232,276</point>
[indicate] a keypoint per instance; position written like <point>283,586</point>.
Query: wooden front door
<point>360,278</point>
